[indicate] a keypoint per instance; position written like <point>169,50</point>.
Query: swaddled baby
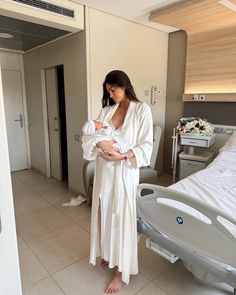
<point>95,131</point>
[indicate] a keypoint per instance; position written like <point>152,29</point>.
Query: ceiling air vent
<point>48,7</point>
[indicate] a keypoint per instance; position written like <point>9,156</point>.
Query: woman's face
<point>116,93</point>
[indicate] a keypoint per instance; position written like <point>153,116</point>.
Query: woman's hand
<point>107,147</point>
<point>112,157</point>
<point>116,156</point>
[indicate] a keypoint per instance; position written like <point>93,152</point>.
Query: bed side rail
<point>205,230</point>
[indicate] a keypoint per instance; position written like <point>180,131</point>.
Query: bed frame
<point>175,233</point>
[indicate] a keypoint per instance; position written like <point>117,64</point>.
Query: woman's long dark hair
<point>120,79</point>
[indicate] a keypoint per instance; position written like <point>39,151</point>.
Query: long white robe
<point>114,189</point>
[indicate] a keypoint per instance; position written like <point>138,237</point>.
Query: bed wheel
<point>234,291</point>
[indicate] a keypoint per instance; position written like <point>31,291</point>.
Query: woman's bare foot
<point>115,285</point>
<point>104,263</point>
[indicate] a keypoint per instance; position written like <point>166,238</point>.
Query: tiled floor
<point>54,246</point>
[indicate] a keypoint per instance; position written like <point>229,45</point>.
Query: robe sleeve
<point>89,147</point>
<point>144,144</point>
<point>89,143</point>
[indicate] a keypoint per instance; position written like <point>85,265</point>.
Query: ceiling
<point>134,10</point>
<point>27,35</point>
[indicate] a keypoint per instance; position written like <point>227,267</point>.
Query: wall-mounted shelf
<point>210,97</point>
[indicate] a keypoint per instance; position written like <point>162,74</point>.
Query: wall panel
<point>211,62</point>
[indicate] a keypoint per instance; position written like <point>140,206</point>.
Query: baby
<point>95,131</point>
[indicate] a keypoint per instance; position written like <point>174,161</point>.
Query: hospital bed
<point>195,218</point>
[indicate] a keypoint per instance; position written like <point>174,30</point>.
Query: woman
<point>114,234</point>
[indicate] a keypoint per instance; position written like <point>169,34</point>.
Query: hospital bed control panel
<point>192,163</point>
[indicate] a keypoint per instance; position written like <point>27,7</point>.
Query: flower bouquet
<point>195,132</point>
<point>194,126</point>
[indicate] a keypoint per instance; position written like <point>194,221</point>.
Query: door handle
<point>0,224</point>
<point>20,120</point>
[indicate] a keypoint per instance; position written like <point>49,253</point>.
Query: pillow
<point>230,144</point>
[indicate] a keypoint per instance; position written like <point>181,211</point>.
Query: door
<point>53,123</point>
<point>9,267</point>
<point>13,100</point>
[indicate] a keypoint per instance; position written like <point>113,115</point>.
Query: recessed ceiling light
<point>6,36</point>
<point>228,4</point>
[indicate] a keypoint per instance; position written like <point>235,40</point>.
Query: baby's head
<point>98,124</point>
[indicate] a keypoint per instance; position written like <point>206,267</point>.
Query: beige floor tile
<point>17,174</point>
<point>75,213</point>
<point>150,263</point>
<point>31,269</point>
<point>177,280</point>
<point>20,188</point>
<point>57,195</point>
<point>32,225</point>
<point>28,203</point>
<point>85,223</point>
<point>44,287</point>
<point>19,239</point>
<point>13,176</point>
<point>62,247</point>
<point>151,289</point>
<point>31,177</point>
<point>164,180</point>
<point>50,184</point>
<point>81,278</point>
<point>38,182</point>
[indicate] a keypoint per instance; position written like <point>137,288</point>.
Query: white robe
<point>114,189</point>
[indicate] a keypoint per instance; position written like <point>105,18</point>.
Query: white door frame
<point>10,282</point>
<point>45,122</point>
<point>27,141</point>
<point>54,122</point>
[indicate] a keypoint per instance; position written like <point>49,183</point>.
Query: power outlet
<point>202,97</point>
<point>195,97</point>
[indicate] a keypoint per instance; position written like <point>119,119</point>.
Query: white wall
<point>10,60</point>
<point>115,43</point>
<point>71,53</point>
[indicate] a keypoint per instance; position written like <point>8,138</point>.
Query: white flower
<point>194,126</point>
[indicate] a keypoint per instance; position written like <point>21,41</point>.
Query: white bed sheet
<point>215,185</point>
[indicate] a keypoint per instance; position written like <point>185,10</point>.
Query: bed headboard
<point>222,134</point>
